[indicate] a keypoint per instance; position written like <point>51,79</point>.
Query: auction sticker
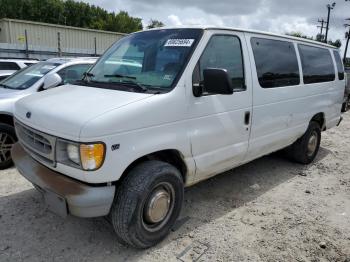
<point>179,42</point>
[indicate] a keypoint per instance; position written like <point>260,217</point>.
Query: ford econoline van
<point>166,108</point>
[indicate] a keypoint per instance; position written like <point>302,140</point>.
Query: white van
<point>166,108</point>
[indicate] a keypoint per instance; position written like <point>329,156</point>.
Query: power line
<point>322,26</point>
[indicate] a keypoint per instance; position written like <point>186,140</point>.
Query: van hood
<point>63,111</point>
<point>8,93</point>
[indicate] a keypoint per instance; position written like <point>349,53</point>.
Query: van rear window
<point>340,66</point>
<point>276,62</point>
<point>317,64</point>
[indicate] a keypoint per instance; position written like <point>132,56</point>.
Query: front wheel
<point>147,204</point>
<point>7,139</point>
<point>305,149</point>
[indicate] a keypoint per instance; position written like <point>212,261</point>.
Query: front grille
<point>39,144</point>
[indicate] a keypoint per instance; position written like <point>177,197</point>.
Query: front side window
<point>224,52</point>
<point>276,63</point>
<point>28,76</point>
<point>151,59</point>
<point>73,73</point>
<point>317,64</point>
<point>340,66</point>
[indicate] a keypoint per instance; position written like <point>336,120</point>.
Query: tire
<point>305,149</point>
<point>149,182</point>
<point>345,106</point>
<point>7,139</point>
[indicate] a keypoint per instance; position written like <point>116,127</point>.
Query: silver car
<point>39,77</point>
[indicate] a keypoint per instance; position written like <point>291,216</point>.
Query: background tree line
<point>70,13</point>
<point>336,43</point>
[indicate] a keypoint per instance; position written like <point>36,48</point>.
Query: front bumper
<point>63,195</point>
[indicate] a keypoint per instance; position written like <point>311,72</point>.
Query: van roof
<point>210,27</point>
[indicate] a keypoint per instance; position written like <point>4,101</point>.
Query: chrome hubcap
<point>312,144</point>
<point>158,207</point>
<point>6,142</point>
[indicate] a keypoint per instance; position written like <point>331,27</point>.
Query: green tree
<point>154,24</point>
<point>319,38</point>
<point>71,13</point>
<point>300,35</point>
<point>336,43</point>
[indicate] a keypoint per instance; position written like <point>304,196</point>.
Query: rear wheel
<point>7,139</point>
<point>147,204</point>
<point>345,106</point>
<point>305,149</point>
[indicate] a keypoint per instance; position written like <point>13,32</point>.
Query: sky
<point>278,16</point>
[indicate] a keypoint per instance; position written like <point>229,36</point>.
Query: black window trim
<point>334,52</point>
<point>297,55</point>
<point>301,63</point>
<point>243,62</point>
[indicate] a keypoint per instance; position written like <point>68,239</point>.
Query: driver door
<point>220,124</point>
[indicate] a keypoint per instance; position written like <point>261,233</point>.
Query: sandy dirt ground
<point>268,210</point>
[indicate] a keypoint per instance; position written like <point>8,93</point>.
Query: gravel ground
<point>268,210</point>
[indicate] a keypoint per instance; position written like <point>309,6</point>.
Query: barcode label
<point>179,42</point>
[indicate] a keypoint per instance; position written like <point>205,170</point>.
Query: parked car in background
<point>9,66</point>
<point>346,101</point>
<point>36,78</point>
<point>166,108</point>
<point>4,75</point>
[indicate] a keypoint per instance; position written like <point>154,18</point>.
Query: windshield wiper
<point>5,86</point>
<point>120,76</point>
<point>134,84</point>
<point>88,74</point>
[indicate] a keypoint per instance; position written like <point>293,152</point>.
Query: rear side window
<point>9,66</point>
<point>276,63</point>
<point>317,64</point>
<point>340,66</point>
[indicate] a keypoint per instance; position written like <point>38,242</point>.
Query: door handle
<point>247,118</point>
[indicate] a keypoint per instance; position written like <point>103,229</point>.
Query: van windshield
<point>151,59</point>
<point>28,76</point>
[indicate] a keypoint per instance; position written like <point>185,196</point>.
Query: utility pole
<point>347,35</point>
<point>322,26</point>
<point>329,7</point>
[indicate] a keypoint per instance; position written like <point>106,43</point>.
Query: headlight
<point>73,153</point>
<point>80,155</point>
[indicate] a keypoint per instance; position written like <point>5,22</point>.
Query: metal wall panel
<point>46,35</point>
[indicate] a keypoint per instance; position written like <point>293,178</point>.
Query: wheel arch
<point>171,156</point>
<point>6,119</point>
<point>320,118</point>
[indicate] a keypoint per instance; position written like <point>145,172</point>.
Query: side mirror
<point>217,81</point>
<point>51,80</point>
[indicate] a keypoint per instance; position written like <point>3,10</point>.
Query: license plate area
<point>55,203</point>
